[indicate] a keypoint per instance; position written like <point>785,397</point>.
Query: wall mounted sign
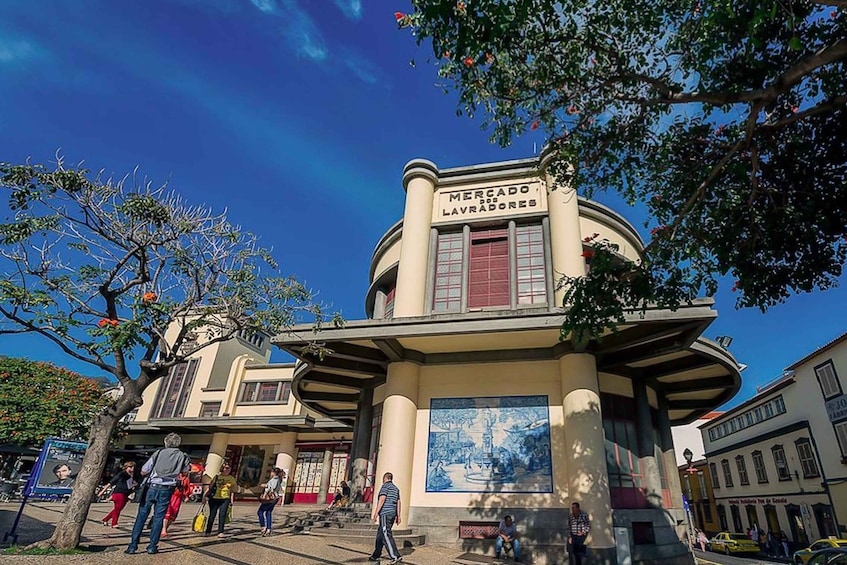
<point>504,200</point>
<point>836,408</point>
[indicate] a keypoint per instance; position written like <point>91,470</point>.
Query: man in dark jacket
<point>163,469</point>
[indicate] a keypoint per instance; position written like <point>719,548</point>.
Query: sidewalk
<point>242,546</point>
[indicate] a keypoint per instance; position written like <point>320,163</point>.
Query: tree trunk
<point>69,528</point>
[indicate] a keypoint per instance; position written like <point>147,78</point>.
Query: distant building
<point>779,460</point>
<point>688,436</point>
<point>697,485</point>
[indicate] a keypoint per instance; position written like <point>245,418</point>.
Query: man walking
<point>386,514</point>
<point>164,469</point>
<point>578,528</point>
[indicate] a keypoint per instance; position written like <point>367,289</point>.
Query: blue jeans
<point>158,496</point>
<point>516,547</point>
<point>265,511</point>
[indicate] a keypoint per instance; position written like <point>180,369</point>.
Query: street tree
<point>104,267</point>
<point>725,119</point>
<point>40,400</point>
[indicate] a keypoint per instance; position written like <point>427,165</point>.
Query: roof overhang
<point>249,424</point>
<point>662,347</point>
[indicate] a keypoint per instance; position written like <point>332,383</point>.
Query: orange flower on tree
<point>468,62</point>
<point>149,297</point>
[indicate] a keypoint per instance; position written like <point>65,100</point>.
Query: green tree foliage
<point>725,119</point>
<point>40,400</point>
<point>127,277</point>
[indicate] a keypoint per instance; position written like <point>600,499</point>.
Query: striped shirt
<point>579,525</point>
<point>392,495</point>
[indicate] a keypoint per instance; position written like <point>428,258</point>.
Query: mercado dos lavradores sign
<point>57,467</point>
<point>489,202</point>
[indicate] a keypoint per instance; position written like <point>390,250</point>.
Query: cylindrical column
<point>397,433</point>
<point>419,179</point>
<point>326,473</point>
<point>215,458</point>
<point>646,446</point>
<point>286,454</point>
<point>361,443</point>
<point>588,480</point>
<point>565,234</point>
<point>668,453</point>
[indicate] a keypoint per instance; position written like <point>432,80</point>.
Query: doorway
<point>826,523</point>
<point>798,528</point>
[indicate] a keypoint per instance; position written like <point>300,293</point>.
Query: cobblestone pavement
<point>241,546</point>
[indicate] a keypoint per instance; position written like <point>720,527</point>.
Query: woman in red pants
<point>123,483</point>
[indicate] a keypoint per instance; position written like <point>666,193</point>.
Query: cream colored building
<point>779,460</point>
<point>483,409</point>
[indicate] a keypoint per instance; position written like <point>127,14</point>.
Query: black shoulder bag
<point>141,493</point>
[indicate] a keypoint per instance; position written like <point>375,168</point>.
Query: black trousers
<point>217,506</point>
<point>577,550</point>
<point>384,537</point>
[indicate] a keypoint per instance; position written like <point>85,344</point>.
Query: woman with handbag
<point>220,495</point>
<point>268,500</point>
<point>123,484</point>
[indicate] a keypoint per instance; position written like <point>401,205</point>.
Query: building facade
<point>483,409</point>
<point>697,491</point>
<point>779,460</point>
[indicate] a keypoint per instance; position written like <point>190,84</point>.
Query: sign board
<point>775,500</point>
<point>836,408</point>
<point>489,202</point>
<point>685,503</point>
<point>622,546</point>
<point>57,467</point>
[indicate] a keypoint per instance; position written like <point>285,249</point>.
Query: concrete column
<point>668,453</point>
<point>286,454</point>
<point>588,479</point>
<point>359,453</point>
<point>419,179</point>
<point>397,433</point>
<point>326,473</point>
<point>379,305</point>
<point>215,458</point>
<point>565,234</point>
<point>646,446</point>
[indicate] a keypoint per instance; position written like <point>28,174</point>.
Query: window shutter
<point>488,277</point>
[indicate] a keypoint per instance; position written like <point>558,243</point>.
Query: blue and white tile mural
<point>490,444</point>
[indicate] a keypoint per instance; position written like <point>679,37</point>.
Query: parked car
<point>733,543</point>
<point>803,555</point>
<point>833,556</point>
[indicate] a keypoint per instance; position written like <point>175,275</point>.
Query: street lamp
<point>688,502</point>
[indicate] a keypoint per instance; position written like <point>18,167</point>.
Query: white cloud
<point>299,30</point>
<point>351,8</point>
<point>16,50</point>
<point>267,6</point>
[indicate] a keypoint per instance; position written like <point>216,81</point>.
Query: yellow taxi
<point>733,543</point>
<point>803,555</point>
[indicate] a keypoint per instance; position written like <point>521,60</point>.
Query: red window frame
<point>175,389</point>
<point>489,281</point>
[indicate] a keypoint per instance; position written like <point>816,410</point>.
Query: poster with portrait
<point>57,466</point>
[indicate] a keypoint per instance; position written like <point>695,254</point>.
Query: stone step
<point>367,538</point>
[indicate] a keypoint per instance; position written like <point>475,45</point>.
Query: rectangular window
<point>727,473</point>
<point>389,304</point>
<point>742,470</point>
<point>532,278</point>
<point>807,459</point>
<point>488,270</point>
<point>210,409</point>
<point>828,379</point>
<point>782,471</point>
<point>175,390</point>
<point>759,466</point>
<point>713,469</point>
<point>268,392</point>
<point>448,273</point>
<point>841,434</point>
<point>712,434</point>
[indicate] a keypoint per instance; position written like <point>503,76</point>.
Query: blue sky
<point>297,117</point>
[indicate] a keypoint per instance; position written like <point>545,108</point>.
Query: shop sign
<point>758,501</point>
<point>836,408</point>
<point>487,202</point>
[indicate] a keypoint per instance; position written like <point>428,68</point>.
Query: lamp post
<point>688,455</point>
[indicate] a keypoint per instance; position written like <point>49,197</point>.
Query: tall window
<point>210,409</point>
<point>807,458</point>
<point>841,434</point>
<point>448,273</point>
<point>713,470</point>
<point>389,303</point>
<point>781,462</point>
<point>488,271</point>
<point>626,478</point>
<point>727,472</point>
<point>175,389</point>
<point>742,470</point>
<point>759,466</point>
<point>828,380</point>
<point>532,278</point>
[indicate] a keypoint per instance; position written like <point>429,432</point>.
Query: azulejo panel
<point>489,444</point>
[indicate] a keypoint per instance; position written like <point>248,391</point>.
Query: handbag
<point>213,487</point>
<point>199,524</point>
<point>141,493</point>
<point>228,514</point>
